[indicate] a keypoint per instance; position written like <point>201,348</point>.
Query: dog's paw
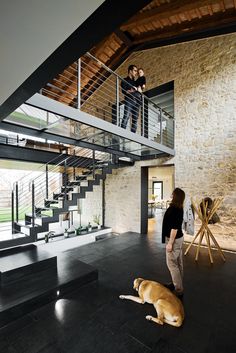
<point>149,317</point>
<point>122,296</point>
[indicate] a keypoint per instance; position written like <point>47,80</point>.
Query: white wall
<point>31,30</point>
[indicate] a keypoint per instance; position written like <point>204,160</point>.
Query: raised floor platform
<point>22,261</point>
<point>31,278</point>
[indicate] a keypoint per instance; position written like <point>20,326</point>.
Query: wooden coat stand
<point>204,229</point>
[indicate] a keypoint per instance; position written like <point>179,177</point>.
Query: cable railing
<point>92,87</point>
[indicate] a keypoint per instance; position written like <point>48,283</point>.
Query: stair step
<point>67,188</point>
<point>51,200</point>
<point>43,219</point>
<point>60,195</point>
<point>48,203</point>
<point>26,228</point>
<point>73,182</point>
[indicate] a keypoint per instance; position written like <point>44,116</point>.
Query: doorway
<point>157,186</point>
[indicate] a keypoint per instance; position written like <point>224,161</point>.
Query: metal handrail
<point>122,79</point>
<point>150,119</point>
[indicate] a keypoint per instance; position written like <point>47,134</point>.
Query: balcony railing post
<point>117,102</point>
<point>142,117</point>
<point>74,168</point>
<point>65,178</point>
<point>33,204</point>
<point>161,126</point>
<point>78,84</point>
<point>46,181</point>
<point>12,212</point>
<point>17,202</point>
<point>93,164</point>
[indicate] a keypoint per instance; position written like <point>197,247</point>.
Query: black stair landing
<point>32,291</point>
<point>23,261</point>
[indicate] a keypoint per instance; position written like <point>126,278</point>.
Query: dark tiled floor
<point>94,320</point>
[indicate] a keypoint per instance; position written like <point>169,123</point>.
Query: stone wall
<point>91,206</point>
<point>204,74</point>
<point>122,199</point>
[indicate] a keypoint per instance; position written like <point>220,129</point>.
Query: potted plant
<point>97,220</point>
<point>79,230</point>
<point>66,234</point>
<point>48,236</point>
<point>89,227</point>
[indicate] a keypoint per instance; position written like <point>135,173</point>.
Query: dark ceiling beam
<point>124,37</point>
<point>186,37</point>
<point>83,39</point>
<point>220,19</point>
<point>166,10</point>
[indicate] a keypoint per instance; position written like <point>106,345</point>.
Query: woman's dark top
<point>173,219</point>
<point>140,81</point>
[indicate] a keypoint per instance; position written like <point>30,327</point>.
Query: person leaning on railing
<point>131,99</point>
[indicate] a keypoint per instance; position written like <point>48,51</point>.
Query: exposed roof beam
<point>124,37</point>
<point>165,11</point>
<point>188,27</point>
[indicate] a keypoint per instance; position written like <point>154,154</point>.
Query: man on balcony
<point>131,94</point>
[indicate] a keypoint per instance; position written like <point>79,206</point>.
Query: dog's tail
<point>176,323</point>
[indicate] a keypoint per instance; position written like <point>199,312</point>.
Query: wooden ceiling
<point>161,22</point>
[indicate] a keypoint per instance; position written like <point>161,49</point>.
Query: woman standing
<point>173,236</point>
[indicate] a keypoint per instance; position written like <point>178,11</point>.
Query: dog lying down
<point>168,307</point>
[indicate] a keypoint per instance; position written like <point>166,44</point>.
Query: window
<point>157,189</point>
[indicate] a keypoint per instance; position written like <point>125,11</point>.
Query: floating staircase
<point>37,203</point>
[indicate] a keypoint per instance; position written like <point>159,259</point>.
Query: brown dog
<point>168,307</point>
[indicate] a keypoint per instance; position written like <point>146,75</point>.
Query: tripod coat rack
<point>205,214</point>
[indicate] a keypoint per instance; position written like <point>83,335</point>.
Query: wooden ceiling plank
<point>198,13</point>
<point>166,10</point>
<point>187,15</point>
<point>92,85</point>
<point>195,25</point>
<point>178,18</point>
<point>222,6</point>
<point>210,10</point>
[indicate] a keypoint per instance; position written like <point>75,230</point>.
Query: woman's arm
<point>170,243</point>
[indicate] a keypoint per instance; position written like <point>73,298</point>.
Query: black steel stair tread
<point>62,194</point>
<point>28,225</point>
<point>50,200</point>
<point>42,208</point>
<point>36,216</point>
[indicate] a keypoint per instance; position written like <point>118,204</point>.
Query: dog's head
<point>137,283</point>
